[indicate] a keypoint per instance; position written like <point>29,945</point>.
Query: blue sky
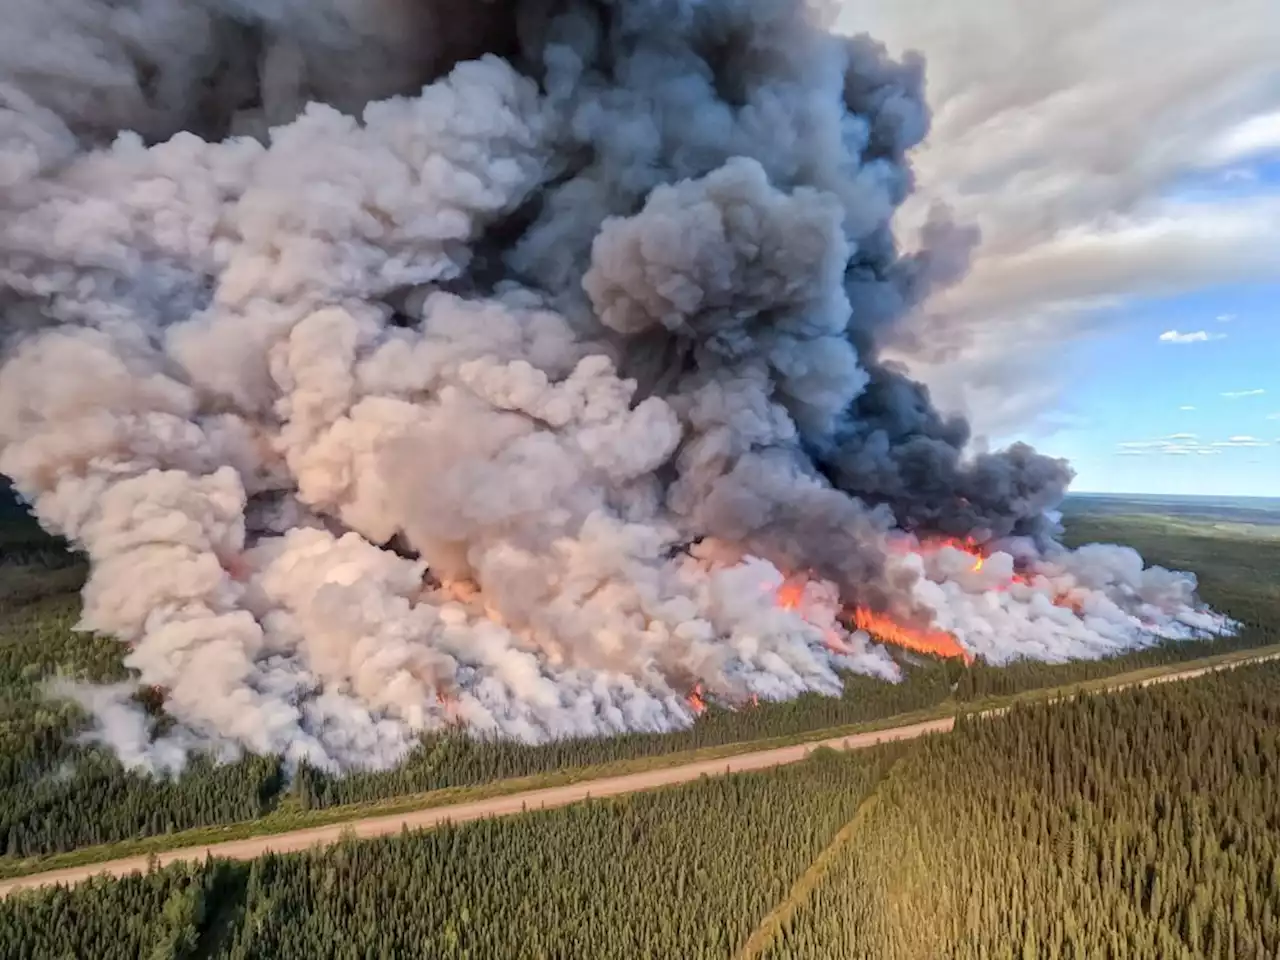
<point>1180,394</point>
<point>1147,415</point>
<point>1126,185</point>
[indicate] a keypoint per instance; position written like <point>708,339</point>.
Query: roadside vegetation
<point>59,796</point>
<point>684,872</point>
<point>1138,824</point>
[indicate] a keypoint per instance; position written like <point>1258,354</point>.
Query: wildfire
<point>790,594</point>
<point>936,642</point>
<point>1070,601</point>
<point>967,545</point>
<point>971,547</point>
<point>695,700</point>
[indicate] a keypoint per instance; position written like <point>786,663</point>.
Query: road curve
<point>296,840</point>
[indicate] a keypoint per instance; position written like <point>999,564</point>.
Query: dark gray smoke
<point>400,363</point>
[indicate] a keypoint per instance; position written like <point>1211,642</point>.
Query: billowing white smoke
<point>1083,604</point>
<point>510,402</point>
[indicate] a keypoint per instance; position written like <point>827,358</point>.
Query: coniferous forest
<point>1140,825</point>
<point>59,794</point>
<point>1137,824</point>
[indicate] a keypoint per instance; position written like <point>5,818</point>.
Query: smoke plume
<point>408,363</point>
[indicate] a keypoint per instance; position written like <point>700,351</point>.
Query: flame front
<point>936,642</point>
<point>967,545</point>
<point>972,548</point>
<point>790,594</point>
<point>695,700</point>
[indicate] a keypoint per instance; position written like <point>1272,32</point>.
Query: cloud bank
<point>1064,129</point>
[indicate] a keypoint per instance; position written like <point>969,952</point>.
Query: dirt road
<point>518,802</point>
<point>494,807</point>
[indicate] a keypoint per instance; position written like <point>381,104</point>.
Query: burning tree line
<point>58,793</point>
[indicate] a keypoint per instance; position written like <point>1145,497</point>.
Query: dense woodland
<point>1139,825</point>
<point>57,794</point>
<point>684,872</point>
<point>1133,825</point>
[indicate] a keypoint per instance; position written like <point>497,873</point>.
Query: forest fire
<point>696,701</point>
<point>967,545</point>
<point>790,595</point>
<point>447,700</point>
<point>936,642</point>
<point>502,458</point>
<point>970,547</point>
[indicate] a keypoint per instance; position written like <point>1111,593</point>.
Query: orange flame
<point>695,701</point>
<point>971,547</point>
<point>1070,601</point>
<point>791,594</point>
<point>967,545</point>
<point>936,642</point>
<point>833,642</point>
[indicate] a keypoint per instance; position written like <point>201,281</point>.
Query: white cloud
<point>1064,128</point>
<point>1239,394</point>
<point>1225,317</point>
<point>1186,445</point>
<point>1199,336</point>
<point>1256,137</point>
<point>1187,408</point>
<point>1244,441</point>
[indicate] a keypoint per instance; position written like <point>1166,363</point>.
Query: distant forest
<point>1264,511</point>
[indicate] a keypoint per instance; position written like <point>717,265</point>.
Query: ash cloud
<point>403,364</point>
